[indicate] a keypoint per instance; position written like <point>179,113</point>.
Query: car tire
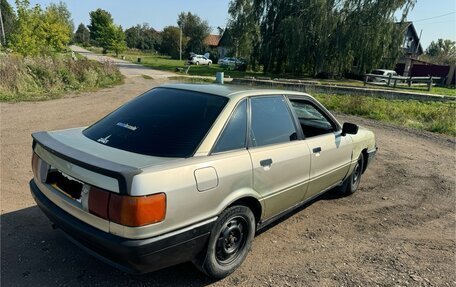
<point>209,63</point>
<point>229,243</point>
<point>351,184</point>
<point>197,63</point>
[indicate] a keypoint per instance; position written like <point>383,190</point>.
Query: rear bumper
<point>129,255</point>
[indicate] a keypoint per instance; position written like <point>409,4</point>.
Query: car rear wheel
<point>351,184</point>
<point>229,242</point>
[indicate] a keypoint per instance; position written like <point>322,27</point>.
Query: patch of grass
<point>422,89</point>
<point>165,63</point>
<point>45,77</point>
<point>430,116</point>
<point>192,79</point>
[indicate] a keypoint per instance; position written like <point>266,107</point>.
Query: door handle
<point>266,162</point>
<point>316,150</point>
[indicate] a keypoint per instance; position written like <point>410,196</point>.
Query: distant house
<point>411,46</point>
<point>212,40</point>
<point>411,43</point>
<point>217,42</point>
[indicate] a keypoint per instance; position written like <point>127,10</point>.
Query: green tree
<point>101,28</point>
<point>105,33</point>
<point>9,19</point>
<point>82,35</point>
<point>242,33</point>
<point>317,36</point>
<point>41,31</point>
<point>117,40</point>
<point>170,41</point>
<point>441,52</point>
<point>195,30</point>
<point>142,37</point>
<point>57,26</point>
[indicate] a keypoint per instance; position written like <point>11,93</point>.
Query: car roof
<point>231,91</point>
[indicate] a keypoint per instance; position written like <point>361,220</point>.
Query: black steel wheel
<point>229,242</point>
<point>351,184</point>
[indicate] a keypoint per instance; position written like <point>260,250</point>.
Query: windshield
<point>162,122</point>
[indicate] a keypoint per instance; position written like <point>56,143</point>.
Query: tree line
<point>37,30</point>
<point>101,30</point>
<point>314,37</point>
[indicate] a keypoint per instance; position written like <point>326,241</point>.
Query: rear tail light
<point>99,202</point>
<point>137,210</point>
<point>127,210</point>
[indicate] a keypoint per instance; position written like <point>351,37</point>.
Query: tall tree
<point>315,36</point>
<point>82,35</point>
<point>105,33</point>
<point>40,31</point>
<point>441,52</point>
<point>195,29</point>
<point>58,26</point>
<point>142,37</point>
<point>170,41</point>
<point>243,32</point>
<point>100,28</point>
<point>117,40</point>
<point>9,19</point>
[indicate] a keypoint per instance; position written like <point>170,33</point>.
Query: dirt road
<point>127,68</point>
<point>397,230</point>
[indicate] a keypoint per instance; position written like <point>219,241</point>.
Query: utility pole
<point>180,43</point>
<point>3,28</point>
<point>418,44</point>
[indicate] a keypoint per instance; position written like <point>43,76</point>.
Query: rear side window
<point>162,122</point>
<point>271,121</point>
<point>234,134</point>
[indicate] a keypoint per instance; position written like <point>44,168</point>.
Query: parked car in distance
<point>230,62</point>
<point>199,60</point>
<point>384,73</point>
<point>191,172</point>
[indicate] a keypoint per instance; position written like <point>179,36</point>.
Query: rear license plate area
<point>66,184</point>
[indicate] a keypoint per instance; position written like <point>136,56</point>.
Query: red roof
<point>212,40</point>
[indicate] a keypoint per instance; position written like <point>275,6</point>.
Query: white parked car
<point>199,60</point>
<point>384,73</point>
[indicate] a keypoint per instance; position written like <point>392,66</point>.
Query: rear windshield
<point>162,122</point>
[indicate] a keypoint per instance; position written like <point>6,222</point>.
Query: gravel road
<point>397,230</point>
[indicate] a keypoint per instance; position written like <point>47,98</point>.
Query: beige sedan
<point>191,172</point>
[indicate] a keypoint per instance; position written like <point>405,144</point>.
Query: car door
<point>280,161</point>
<point>331,152</point>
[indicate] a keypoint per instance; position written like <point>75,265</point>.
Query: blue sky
<point>161,13</point>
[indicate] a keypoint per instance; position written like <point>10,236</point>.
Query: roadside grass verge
<point>194,80</point>
<point>429,116</point>
<point>422,89</point>
<point>45,77</point>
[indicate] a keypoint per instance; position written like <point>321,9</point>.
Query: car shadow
<point>331,194</point>
<point>33,254</point>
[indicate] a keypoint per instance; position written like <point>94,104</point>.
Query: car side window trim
<point>212,152</point>
<point>319,108</point>
<point>295,117</point>
<point>249,141</point>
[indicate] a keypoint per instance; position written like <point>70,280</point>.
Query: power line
<point>443,15</point>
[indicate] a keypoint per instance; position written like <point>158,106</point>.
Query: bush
<point>45,77</point>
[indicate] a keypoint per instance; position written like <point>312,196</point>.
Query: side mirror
<point>349,128</point>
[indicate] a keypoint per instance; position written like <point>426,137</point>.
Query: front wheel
<point>209,63</point>
<point>351,184</point>
<point>197,63</point>
<point>229,242</point>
